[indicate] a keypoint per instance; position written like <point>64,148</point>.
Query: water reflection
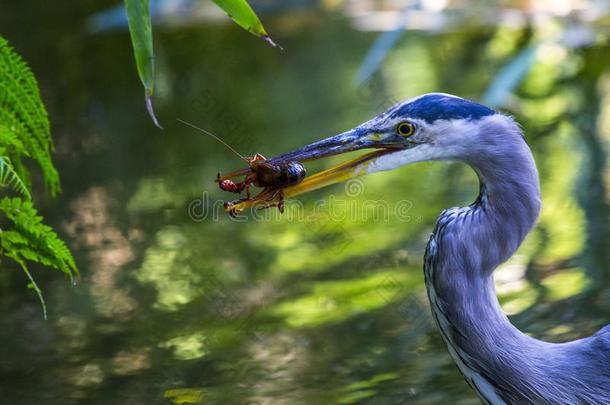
<point>312,308</point>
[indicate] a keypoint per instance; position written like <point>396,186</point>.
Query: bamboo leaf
<point>241,12</point>
<point>140,29</point>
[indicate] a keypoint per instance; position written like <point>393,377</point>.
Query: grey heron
<point>502,364</point>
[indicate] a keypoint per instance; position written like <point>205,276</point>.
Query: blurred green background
<point>177,303</point>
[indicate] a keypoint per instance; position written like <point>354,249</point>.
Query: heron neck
<point>466,247</point>
<point>474,240</point>
<point>508,203</point>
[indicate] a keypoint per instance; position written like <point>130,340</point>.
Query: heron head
<point>433,126</point>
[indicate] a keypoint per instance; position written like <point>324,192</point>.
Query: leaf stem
<point>35,287</point>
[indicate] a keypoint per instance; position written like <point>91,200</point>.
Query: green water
<point>325,304</point>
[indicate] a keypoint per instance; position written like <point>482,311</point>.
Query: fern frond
<point>31,240</point>
<point>10,178</point>
<point>24,114</point>
<point>10,142</point>
<point>25,132</point>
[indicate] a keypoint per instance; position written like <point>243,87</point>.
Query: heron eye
<point>405,128</point>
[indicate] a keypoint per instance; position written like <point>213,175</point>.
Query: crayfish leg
<point>236,173</point>
<point>231,208</point>
<point>257,157</point>
<point>270,198</point>
<point>247,183</point>
<point>280,205</point>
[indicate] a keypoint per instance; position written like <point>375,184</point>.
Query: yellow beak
<point>336,174</point>
<point>355,139</point>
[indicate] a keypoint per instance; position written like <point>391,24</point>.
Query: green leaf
<point>140,29</point>
<point>24,125</point>
<point>241,12</point>
<point>10,142</point>
<point>25,132</point>
<point>31,240</point>
<point>10,178</point>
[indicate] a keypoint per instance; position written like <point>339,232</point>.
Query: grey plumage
<point>502,364</point>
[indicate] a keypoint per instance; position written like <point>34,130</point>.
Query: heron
<point>502,364</point>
